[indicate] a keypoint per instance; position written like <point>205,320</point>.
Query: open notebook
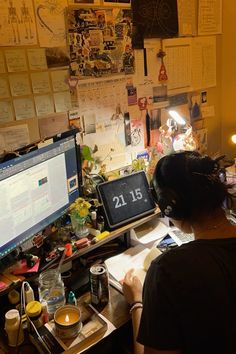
<point>139,258</point>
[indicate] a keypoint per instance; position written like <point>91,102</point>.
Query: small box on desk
<point>93,329</point>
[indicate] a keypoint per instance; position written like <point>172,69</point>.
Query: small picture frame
<point>120,3</point>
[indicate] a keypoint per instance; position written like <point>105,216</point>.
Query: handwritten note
<point>37,59</point>
<point>24,108</point>
<point>40,82</point>
<point>2,64</point>
<point>44,105</point>
<point>4,89</point>
<point>14,137</point>
<point>62,101</point>
<point>20,85</point>
<point>6,113</point>
<point>16,60</point>
<point>59,78</point>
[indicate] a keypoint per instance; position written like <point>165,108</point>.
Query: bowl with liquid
<point>67,321</point>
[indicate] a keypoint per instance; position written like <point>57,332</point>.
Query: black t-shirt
<point>190,299</point>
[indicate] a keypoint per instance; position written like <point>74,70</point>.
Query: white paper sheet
<point>16,60</point>
<point>59,78</point>
<point>20,84</point>
<point>149,232</point>
<point>62,101</point>
<point>40,82</point>
<point>24,108</point>
<point>187,17</point>
<point>203,62</point>
<point>4,88</point>
<point>51,22</point>
<point>17,23</point>
<point>37,59</point>
<point>14,137</point>
<point>6,113</point>
<point>209,17</point>
<point>44,105</point>
<point>178,64</point>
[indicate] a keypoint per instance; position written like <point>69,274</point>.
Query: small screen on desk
<point>126,199</point>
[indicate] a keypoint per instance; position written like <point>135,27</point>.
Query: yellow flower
<point>80,207</point>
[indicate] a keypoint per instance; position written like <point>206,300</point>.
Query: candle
<point>67,321</point>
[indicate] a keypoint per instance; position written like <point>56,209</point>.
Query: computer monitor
<point>126,199</point>
<point>36,189</point>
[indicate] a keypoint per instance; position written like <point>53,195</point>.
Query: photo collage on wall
<point>100,42</point>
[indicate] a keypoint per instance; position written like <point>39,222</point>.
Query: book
<point>138,258</point>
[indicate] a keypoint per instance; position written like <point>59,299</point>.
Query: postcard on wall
<point>51,22</point>
<point>100,42</point>
<point>14,137</point>
<point>24,108</point>
<point>17,23</point>
<point>6,114</point>
<point>57,57</point>
<point>53,124</point>
<point>59,80</point>
<point>37,59</point>
<point>16,60</point>
<point>2,64</point>
<point>20,84</point>
<point>40,82</point>
<point>62,101</point>
<point>4,88</point>
<point>209,17</point>
<point>44,105</point>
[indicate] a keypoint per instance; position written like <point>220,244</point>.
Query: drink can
<point>99,284</point>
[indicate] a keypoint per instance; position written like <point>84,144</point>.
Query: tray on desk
<point>93,329</point>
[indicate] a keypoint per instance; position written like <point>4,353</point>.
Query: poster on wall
<point>100,42</point>
<point>17,23</point>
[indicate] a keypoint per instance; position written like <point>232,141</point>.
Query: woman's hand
<point>132,287</point>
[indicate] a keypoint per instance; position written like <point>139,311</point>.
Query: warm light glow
<point>67,319</point>
<point>233,138</point>
<point>177,117</point>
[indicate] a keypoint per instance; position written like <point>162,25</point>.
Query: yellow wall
<point>228,77</point>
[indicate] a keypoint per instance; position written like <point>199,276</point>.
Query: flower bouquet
<point>79,214</point>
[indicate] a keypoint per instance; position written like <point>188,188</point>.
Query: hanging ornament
<point>162,77</point>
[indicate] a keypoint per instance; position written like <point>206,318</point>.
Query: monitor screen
<point>36,189</point>
<point>126,199</point>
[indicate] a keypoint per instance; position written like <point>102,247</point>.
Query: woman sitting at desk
<point>189,295</point>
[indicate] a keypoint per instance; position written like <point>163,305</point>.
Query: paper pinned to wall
<point>62,101</point>
<point>24,108</point>
<point>6,113</point>
<point>209,17</point>
<point>178,64</point>
<point>37,59</point>
<point>16,60</point>
<point>53,124</point>
<point>187,17</point>
<point>4,88</point>
<point>20,85</point>
<point>2,64</point>
<point>40,82</point>
<point>51,22</point>
<point>17,23</point>
<point>203,62</point>
<point>59,80</point>
<point>14,137</point>
<point>44,105</point>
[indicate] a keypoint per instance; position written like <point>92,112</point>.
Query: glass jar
<point>51,290</point>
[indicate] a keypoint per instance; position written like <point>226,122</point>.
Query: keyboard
<point>179,236</point>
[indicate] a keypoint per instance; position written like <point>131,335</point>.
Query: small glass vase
<point>79,226</point>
